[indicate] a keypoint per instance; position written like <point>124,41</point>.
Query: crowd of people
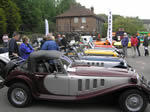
<point>24,49</point>
<point>135,44</point>
<point>49,42</point>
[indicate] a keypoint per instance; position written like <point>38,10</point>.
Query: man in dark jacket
<point>13,47</point>
<point>124,43</point>
<point>138,45</point>
<point>145,44</point>
<point>64,42</point>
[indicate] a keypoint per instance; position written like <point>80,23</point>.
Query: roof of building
<point>146,21</point>
<point>79,11</point>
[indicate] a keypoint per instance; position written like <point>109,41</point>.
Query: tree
<point>3,24</point>
<point>64,5</point>
<point>12,15</point>
<point>131,24</point>
<point>34,13</point>
<point>31,15</point>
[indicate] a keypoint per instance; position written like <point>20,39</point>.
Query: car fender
<point>23,79</point>
<point>4,58</point>
<point>120,89</point>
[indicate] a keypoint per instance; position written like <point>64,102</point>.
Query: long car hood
<point>102,58</point>
<point>101,71</point>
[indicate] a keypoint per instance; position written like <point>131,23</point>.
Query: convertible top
<point>42,54</point>
<point>51,54</point>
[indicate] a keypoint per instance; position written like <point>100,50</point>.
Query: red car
<point>106,46</point>
<point>52,76</point>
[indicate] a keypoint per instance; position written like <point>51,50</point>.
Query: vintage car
<point>80,57</point>
<point>106,42</point>
<point>4,59</point>
<point>98,52</point>
<point>50,75</point>
<point>118,44</point>
<point>105,47</point>
<point>91,50</point>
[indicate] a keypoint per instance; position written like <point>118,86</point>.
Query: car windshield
<point>66,61</point>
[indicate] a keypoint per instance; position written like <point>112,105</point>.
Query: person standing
<point>64,42</point>
<point>138,45</point>
<point>43,41</point>
<point>5,40</point>
<point>25,48</point>
<point>59,38</point>
<point>124,43</point>
<point>50,44</point>
<point>145,44</point>
<point>13,47</point>
<point>134,42</point>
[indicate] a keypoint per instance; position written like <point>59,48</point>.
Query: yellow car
<point>98,52</point>
<point>118,44</point>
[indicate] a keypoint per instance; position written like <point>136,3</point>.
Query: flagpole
<point>109,30</point>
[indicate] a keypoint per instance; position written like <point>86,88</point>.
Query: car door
<point>57,82</point>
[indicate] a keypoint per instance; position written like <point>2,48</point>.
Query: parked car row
<point>74,76</point>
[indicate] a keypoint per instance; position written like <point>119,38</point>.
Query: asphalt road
<point>141,64</point>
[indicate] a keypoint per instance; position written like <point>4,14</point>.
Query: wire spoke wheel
<point>134,102</point>
<point>19,96</point>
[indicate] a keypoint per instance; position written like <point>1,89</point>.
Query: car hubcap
<point>18,96</point>
<point>134,102</point>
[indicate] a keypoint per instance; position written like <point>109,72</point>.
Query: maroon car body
<point>52,76</point>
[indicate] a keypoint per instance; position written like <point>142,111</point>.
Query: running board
<point>54,97</point>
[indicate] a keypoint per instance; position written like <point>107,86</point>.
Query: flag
<point>109,30</point>
<point>46,27</point>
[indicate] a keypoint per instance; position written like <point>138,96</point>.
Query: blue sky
<point>133,8</point>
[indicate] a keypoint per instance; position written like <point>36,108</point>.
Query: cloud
<point>132,8</point>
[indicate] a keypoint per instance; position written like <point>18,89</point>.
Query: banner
<point>109,30</point>
<point>46,27</point>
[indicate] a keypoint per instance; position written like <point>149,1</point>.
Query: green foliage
<point>12,15</point>
<point>34,13</point>
<point>64,5</point>
<point>130,24</point>
<point>3,24</point>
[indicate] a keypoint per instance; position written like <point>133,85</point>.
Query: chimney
<point>92,9</point>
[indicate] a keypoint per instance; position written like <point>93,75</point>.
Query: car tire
<point>133,101</point>
<point>19,95</point>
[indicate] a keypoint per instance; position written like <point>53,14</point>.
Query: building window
<point>76,20</point>
<point>83,20</point>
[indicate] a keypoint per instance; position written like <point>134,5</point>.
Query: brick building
<point>79,19</point>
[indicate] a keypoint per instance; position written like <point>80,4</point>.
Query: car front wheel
<point>133,101</point>
<point>19,95</point>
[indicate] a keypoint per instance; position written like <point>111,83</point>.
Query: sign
<point>109,30</point>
